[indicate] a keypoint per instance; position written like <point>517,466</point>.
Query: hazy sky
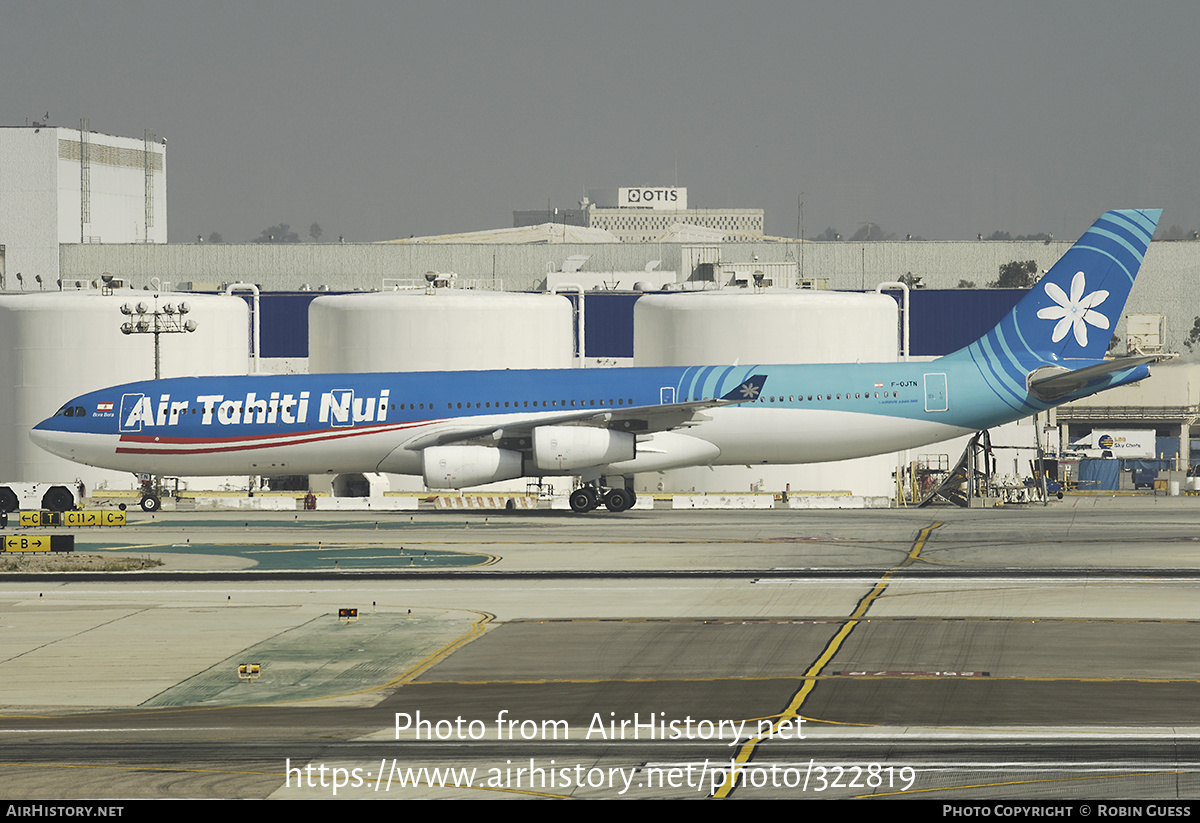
<point>386,119</point>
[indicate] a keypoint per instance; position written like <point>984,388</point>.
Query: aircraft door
<point>937,399</point>
<point>666,395</point>
<point>340,408</point>
<point>128,421</point>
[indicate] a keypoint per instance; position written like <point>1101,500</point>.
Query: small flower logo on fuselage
<point>1074,313</point>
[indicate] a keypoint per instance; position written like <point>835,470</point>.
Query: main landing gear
<point>590,496</point>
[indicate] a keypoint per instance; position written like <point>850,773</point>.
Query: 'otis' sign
<point>667,198</point>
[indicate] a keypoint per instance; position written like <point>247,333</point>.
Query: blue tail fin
<point>1072,311</point>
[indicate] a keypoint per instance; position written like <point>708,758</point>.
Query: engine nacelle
<point>565,448</point>
<point>457,467</point>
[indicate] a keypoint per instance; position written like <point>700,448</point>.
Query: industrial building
<point>649,214</point>
<point>61,185</point>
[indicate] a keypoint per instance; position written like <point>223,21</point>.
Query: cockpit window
<point>71,411</point>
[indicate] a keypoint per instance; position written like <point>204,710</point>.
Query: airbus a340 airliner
<point>461,429</point>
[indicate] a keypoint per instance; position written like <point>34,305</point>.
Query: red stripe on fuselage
<point>212,445</point>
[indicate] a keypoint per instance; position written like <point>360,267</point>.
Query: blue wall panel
<point>945,320</point>
<point>608,324</point>
<point>284,324</point>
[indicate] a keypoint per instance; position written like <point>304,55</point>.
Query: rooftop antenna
<point>85,177</point>
<point>148,169</point>
<point>800,230</point>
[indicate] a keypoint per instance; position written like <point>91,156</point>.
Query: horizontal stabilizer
<point>1049,383</point>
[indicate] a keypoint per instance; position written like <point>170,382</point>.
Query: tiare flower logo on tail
<point>1074,312</point>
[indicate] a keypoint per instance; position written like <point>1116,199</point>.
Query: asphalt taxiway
<point>1003,653</point>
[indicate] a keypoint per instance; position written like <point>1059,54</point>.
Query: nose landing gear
<point>151,491</point>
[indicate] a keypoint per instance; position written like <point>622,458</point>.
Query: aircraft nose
<point>39,434</point>
<point>46,438</point>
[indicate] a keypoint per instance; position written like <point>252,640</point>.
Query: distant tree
<point>314,231</point>
<point>966,284</point>
<point>1016,275</point>
<point>913,281</point>
<point>278,234</point>
<point>1193,337</point>
<point>1173,233</point>
<point>1039,237</point>
<point>828,234</point>
<point>869,232</point>
<point>215,237</point>
<point>999,235</point>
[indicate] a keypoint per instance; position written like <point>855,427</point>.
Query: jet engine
<point>457,467</point>
<point>564,448</point>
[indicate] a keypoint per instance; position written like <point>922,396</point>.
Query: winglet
<point>747,391</point>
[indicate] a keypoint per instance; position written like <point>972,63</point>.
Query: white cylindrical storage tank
<point>447,330</point>
<point>58,345</point>
<point>768,326</point>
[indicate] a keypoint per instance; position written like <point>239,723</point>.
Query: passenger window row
<point>544,404</point>
<point>791,398</point>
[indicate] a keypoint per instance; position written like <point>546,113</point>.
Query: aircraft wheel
<point>8,500</point>
<point>582,500</point>
<point>150,503</point>
<point>618,500</point>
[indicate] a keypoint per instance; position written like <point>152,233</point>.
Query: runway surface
<point>1023,652</point>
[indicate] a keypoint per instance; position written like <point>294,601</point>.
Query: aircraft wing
<point>1052,382</point>
<point>633,419</point>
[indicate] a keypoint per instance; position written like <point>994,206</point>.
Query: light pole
<point>143,319</point>
<point>167,320</point>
